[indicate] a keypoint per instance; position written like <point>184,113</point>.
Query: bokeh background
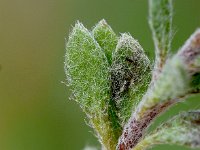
<point>35,112</point>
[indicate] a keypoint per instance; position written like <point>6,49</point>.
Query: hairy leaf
<point>160,21</point>
<point>130,75</point>
<point>87,71</point>
<point>183,129</point>
<point>106,38</point>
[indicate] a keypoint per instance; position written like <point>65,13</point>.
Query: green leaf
<point>130,75</point>
<point>183,129</point>
<point>87,70</point>
<point>160,21</point>
<point>106,38</point>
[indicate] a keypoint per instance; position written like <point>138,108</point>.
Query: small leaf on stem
<point>160,22</point>
<point>183,129</point>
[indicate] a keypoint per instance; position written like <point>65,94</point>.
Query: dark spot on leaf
<point>129,60</point>
<point>197,122</point>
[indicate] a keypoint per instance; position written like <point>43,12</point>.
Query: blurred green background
<point>35,113</point>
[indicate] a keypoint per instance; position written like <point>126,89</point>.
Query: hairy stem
<point>135,128</point>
